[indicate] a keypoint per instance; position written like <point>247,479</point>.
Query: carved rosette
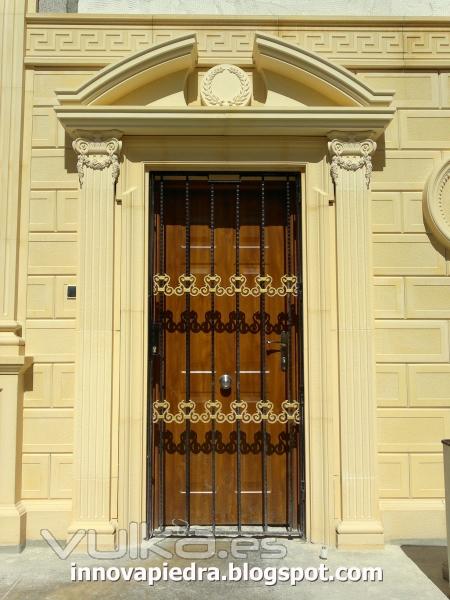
<point>351,155</point>
<point>224,86</point>
<point>436,203</point>
<point>97,154</point>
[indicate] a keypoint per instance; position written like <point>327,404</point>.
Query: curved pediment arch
<point>157,63</point>
<point>277,58</point>
<point>292,92</point>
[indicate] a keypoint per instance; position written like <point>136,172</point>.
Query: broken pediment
<point>162,89</point>
<point>168,75</point>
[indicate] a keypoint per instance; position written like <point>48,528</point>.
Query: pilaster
<point>98,169</point>
<point>351,169</point>
<point>13,362</point>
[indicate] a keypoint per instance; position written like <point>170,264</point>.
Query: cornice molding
<point>320,21</point>
<point>248,120</point>
<point>351,154</point>
<point>97,153</point>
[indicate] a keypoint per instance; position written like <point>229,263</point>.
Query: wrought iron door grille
<point>224,277</point>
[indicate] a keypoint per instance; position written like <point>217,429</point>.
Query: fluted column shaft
<point>98,168</point>
<point>351,169</point>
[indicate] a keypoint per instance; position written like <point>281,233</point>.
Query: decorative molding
<point>306,68</point>
<point>290,411</point>
<point>212,94</point>
<point>135,71</point>
<point>97,154</point>
<point>252,121</point>
<point>350,43</point>
<point>436,203</point>
<point>187,284</point>
<point>351,155</point>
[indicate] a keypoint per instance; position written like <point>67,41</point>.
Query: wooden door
<point>226,392</point>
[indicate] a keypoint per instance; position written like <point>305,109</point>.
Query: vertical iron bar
<point>262,304</point>
<point>290,498</point>
<point>150,358</point>
<point>213,361</point>
<point>188,354</point>
<point>162,390</point>
<point>300,391</point>
<point>238,364</point>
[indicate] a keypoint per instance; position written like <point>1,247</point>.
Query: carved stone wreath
<point>211,94</point>
<point>436,203</point>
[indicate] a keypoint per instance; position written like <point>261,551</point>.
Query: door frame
<point>151,489</point>
<point>322,449</point>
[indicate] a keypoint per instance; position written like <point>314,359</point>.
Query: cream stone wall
<point>51,213</point>
<point>411,285</point>
<point>412,307</point>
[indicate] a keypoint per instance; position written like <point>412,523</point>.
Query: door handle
<point>155,331</point>
<point>284,349</point>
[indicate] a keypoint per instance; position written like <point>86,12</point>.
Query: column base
<point>103,536</point>
<point>12,527</point>
<point>357,535</point>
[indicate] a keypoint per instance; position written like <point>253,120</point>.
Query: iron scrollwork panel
<point>212,284</point>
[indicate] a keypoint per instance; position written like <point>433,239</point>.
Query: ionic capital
<point>97,152</point>
<point>351,154</point>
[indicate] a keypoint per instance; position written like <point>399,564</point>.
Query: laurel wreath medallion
<point>211,99</point>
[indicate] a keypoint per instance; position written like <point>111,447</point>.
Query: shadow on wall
<point>57,6</point>
<point>430,559</point>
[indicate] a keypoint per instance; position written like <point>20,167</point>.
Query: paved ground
<point>38,574</point>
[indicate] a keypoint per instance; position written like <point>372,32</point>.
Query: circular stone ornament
<point>436,203</point>
<point>224,86</point>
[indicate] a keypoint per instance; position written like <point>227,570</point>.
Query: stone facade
<point>404,415</point>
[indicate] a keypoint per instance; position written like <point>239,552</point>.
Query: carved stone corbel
<point>97,153</point>
<point>351,155</point>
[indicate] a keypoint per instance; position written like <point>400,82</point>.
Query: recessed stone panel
<point>411,89</point>
<point>40,297</point>
<point>386,212</point>
<point>413,221</point>
<point>67,204</point>
<point>427,476</point>
<point>35,475</point>
<point>429,385</point>
<point>63,385</point>
<point>38,392</point>
<point>411,341</point>
<point>391,385</point>
<point>47,430</point>
<point>412,429</point>
<point>393,475</point>
<point>53,255</point>
<point>61,476</point>
<point>425,129</point>
<point>43,210</point>
<point>389,297</point>
<point>412,254</point>
<point>428,297</point>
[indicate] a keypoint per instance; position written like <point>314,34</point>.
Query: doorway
<point>225,378</point>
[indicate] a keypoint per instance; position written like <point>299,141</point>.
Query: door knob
<point>225,382</point>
